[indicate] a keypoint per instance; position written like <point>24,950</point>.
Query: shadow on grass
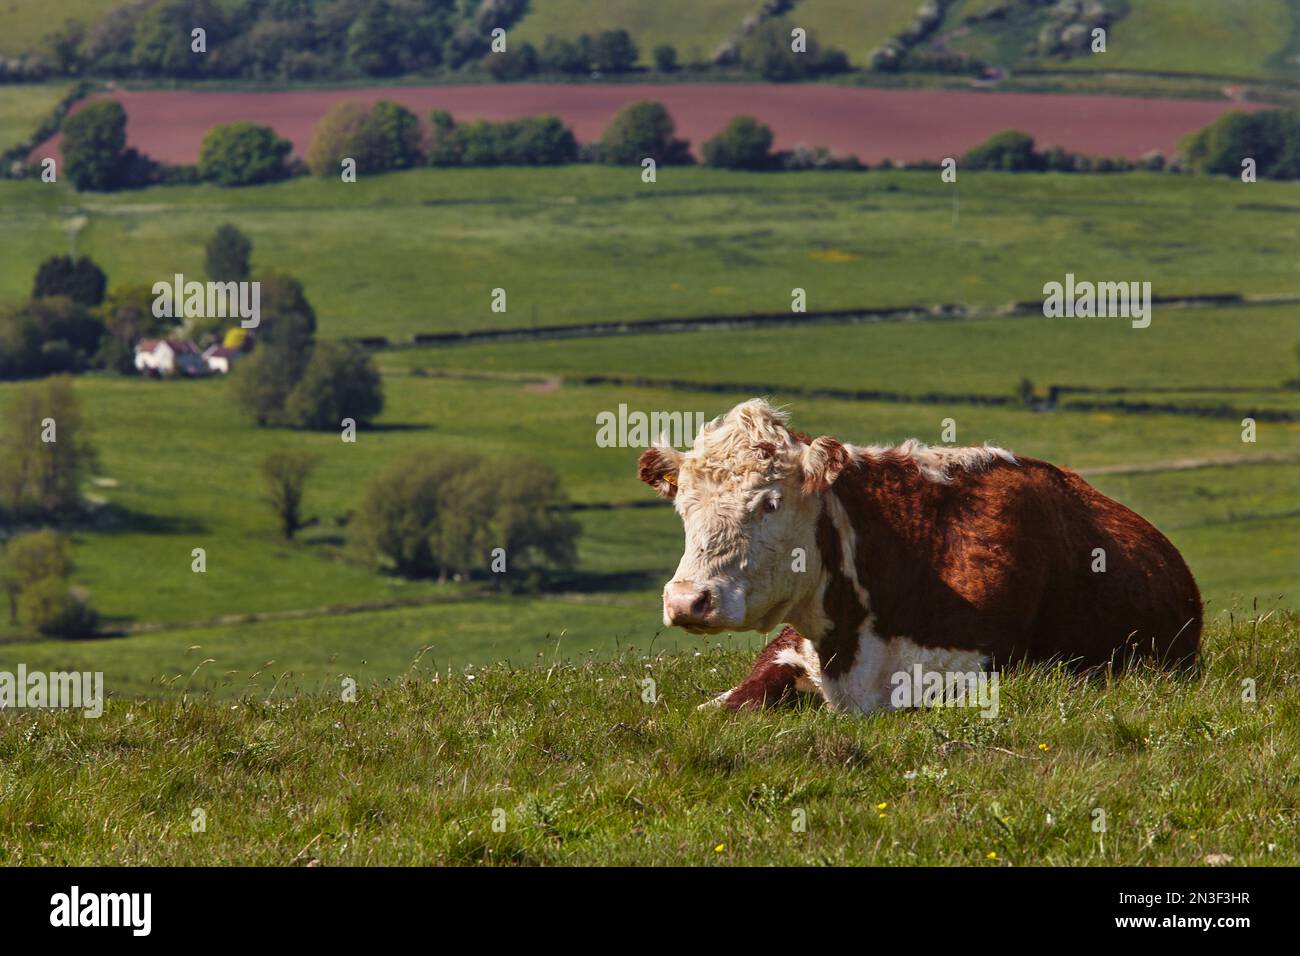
<point>115,519</point>
<point>398,427</point>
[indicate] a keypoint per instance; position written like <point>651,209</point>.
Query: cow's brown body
<point>1002,560</point>
<point>999,561</point>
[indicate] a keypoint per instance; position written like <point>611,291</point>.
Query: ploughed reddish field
<point>905,125</point>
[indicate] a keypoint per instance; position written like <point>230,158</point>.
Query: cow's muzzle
<point>688,605</point>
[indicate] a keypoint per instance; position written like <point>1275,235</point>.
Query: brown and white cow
<point>880,559</point>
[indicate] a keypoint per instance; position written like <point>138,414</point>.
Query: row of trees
<point>288,39</point>
<point>319,39</point>
<point>386,136</point>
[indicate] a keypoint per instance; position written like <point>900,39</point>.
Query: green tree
<point>227,255</point>
<point>47,454</point>
<point>1009,150</point>
<point>379,138</point>
<point>163,43</point>
<point>425,516</point>
<point>47,336</point>
<point>127,314</point>
<point>392,135</point>
<point>768,51</point>
<point>613,51</point>
<point>31,557</point>
<point>94,139</point>
<point>56,610</point>
<point>285,474</point>
<point>666,58</point>
<point>243,154</point>
<point>339,382</point>
<point>642,131</point>
<point>744,143</point>
<point>1270,137</point>
<point>397,523</point>
<point>373,38</point>
<point>530,520</point>
<point>286,337</point>
<point>79,279</point>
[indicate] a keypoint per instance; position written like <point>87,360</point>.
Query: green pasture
<point>421,251</point>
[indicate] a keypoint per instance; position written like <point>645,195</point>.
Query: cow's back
<point>1122,589</point>
<point>1001,559</point>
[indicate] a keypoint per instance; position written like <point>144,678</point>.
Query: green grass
<point>1192,348</point>
<point>421,251</point>
<point>1252,39</point>
<point>198,487</point>
<point>857,27</point>
<point>1243,38</point>
<point>397,253</point>
<point>26,22</point>
<point>694,29</point>
<point>583,771</point>
<point>24,107</point>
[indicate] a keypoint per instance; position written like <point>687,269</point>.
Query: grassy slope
<point>694,28</point>
<point>1245,38</point>
<point>26,22</point>
<point>1183,347</point>
<point>582,770</point>
<point>199,488</point>
<point>421,251</point>
<point>855,26</point>
<point>22,108</point>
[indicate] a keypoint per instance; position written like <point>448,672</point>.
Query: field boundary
<point>745,320</point>
<point>1048,404</point>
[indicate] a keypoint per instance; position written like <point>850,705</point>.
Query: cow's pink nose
<point>685,603</point>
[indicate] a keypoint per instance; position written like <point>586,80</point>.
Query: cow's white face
<point>749,495</point>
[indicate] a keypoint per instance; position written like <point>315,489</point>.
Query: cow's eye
<point>771,503</point>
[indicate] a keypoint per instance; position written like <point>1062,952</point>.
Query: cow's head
<point>749,494</point>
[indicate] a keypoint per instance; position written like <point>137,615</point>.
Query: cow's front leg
<point>786,668</point>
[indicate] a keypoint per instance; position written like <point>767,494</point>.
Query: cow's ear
<point>823,460</point>
<point>658,469</point>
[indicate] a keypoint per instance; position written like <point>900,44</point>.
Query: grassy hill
<point>24,107</point>
<point>1253,39</point>
<point>424,249</point>
<point>580,769</point>
<point>26,22</point>
<point>418,251</point>
<point>693,28</point>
